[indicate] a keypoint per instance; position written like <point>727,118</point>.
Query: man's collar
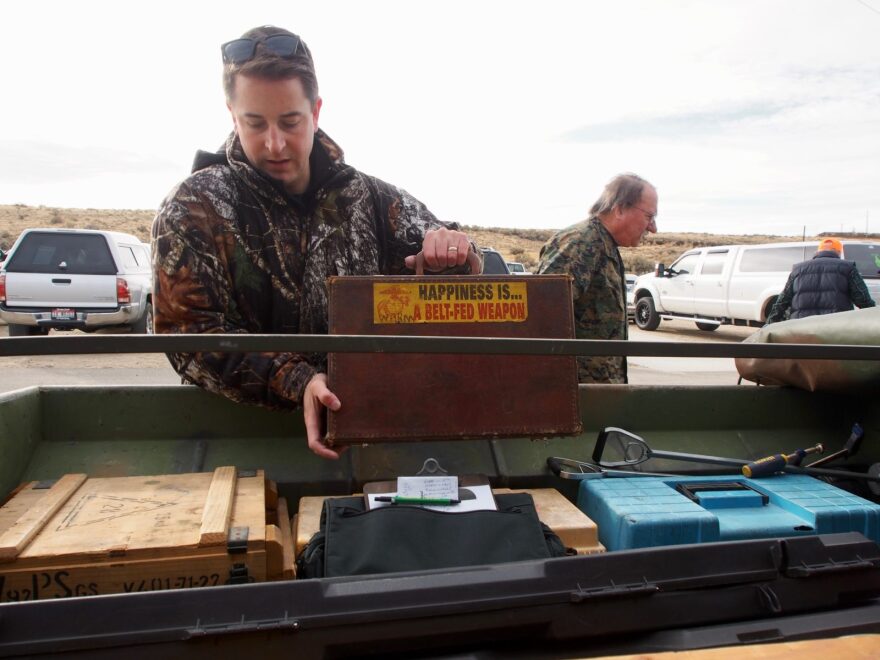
<point>609,237</point>
<point>323,161</point>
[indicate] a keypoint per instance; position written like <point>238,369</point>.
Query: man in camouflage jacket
<point>588,251</point>
<point>246,243</point>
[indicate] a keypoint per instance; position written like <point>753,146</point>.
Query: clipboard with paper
<point>447,493</point>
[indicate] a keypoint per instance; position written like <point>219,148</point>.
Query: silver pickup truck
<point>76,279</point>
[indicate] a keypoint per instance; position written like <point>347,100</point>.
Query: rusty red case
<point>388,397</point>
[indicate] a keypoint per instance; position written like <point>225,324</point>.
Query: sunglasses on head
<point>239,51</point>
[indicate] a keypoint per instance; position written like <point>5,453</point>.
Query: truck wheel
<point>707,327</point>
<point>646,316</point>
<point>16,330</point>
<point>144,325</point>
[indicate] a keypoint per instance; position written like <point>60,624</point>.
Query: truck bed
<point>639,601</point>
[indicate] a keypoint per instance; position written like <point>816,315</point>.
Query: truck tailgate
<point>60,290</point>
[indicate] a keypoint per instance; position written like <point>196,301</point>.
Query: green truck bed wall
<point>573,605</point>
<point>116,431</point>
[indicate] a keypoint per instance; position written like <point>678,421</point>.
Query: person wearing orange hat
<point>824,284</point>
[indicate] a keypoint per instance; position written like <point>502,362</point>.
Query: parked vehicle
<point>76,279</point>
<point>734,284</point>
<point>630,296</point>
<point>493,263</point>
<point>517,268</point>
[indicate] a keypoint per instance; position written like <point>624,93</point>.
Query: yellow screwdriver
<point>777,462</point>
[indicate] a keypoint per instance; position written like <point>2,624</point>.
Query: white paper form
<point>428,487</point>
<point>482,501</point>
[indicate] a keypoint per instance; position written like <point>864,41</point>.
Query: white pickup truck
<point>734,284</point>
<point>76,279</point>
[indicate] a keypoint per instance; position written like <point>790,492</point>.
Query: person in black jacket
<point>824,284</point>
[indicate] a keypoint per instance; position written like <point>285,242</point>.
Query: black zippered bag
<point>355,541</point>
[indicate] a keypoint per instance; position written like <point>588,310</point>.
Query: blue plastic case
<point>642,512</point>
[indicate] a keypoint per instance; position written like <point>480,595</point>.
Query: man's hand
<point>442,248</point>
<point>315,398</point>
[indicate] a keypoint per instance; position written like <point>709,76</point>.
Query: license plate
<point>63,314</point>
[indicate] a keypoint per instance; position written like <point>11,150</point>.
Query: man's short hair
<point>624,190</point>
<point>830,244</point>
<point>270,66</point>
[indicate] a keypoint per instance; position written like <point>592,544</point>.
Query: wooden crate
<point>573,527</point>
<point>81,536</point>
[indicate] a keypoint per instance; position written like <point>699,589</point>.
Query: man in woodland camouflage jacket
<point>246,243</point>
<point>588,251</point>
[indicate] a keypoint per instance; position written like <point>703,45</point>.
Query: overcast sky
<point>750,116</point>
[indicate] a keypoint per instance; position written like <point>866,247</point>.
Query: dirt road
<point>685,371</point>
<point>117,369</point>
<point>153,368</point>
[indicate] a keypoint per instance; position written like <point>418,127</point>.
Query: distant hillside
<point>521,245</point>
<point>18,217</point>
<point>524,245</point>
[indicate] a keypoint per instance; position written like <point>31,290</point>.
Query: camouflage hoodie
<point>234,253</point>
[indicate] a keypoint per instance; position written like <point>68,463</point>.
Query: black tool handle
<point>849,449</point>
<point>554,464</point>
<point>825,472</point>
